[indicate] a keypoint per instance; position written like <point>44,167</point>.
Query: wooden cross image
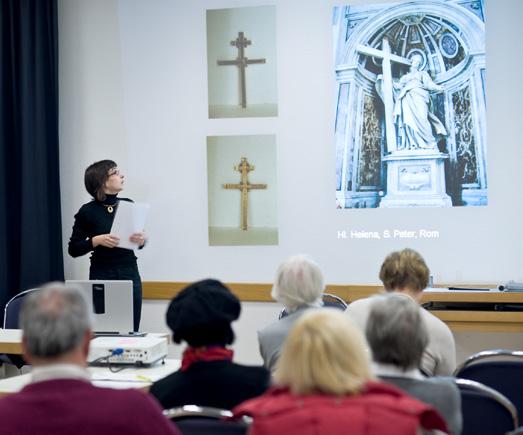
<point>241,42</point>
<point>244,168</point>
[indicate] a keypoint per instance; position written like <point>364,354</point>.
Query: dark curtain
<point>30,214</point>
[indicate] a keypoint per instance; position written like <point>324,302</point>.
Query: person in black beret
<point>201,315</point>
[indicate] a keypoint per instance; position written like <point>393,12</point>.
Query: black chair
<point>12,321</point>
<point>485,411</point>
<point>499,369</point>
<point>13,307</point>
<point>328,299</point>
<point>198,420</point>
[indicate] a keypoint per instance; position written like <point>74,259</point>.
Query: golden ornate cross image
<point>244,168</point>
<point>242,62</point>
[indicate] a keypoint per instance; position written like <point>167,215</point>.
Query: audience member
<point>298,286</point>
<point>405,272</point>
<point>397,337</point>
<point>201,314</point>
<point>60,398</point>
<point>324,385</point>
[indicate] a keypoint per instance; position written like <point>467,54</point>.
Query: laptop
<point>111,303</point>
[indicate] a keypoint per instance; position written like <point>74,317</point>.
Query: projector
<point>127,350</point>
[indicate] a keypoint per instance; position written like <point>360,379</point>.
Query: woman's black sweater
<point>92,220</point>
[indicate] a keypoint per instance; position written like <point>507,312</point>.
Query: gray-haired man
<point>60,399</point>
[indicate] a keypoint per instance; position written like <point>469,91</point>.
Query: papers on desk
<point>123,377</point>
<point>134,375</point>
<point>131,377</point>
<point>129,218</point>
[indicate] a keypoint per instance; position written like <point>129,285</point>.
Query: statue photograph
<point>410,126</point>
<point>415,123</point>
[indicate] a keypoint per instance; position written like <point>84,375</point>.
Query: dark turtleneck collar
<point>110,199</point>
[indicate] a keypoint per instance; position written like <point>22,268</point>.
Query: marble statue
<point>416,126</point>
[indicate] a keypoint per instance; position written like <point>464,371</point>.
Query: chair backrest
<point>485,410</point>
<point>328,299</point>
<point>499,369</point>
<point>198,420</point>
<point>13,307</point>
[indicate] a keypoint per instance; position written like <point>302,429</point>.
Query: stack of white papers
<point>130,218</point>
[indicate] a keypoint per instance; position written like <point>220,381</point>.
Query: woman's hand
<point>139,238</point>
<point>107,240</point>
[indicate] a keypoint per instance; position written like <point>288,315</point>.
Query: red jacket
<point>379,409</point>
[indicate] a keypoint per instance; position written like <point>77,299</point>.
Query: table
<point>477,320</point>
<point>131,377</point>
<point>11,341</point>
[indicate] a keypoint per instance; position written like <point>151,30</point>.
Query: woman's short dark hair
<point>95,177</point>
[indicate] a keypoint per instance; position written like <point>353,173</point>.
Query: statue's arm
<point>429,84</point>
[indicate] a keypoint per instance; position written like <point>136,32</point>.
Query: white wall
<point>92,124</point>
<point>133,87</point>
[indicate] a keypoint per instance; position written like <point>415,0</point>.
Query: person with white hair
<point>60,399</point>
<point>298,286</point>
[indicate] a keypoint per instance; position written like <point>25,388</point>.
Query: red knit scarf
<point>212,353</point>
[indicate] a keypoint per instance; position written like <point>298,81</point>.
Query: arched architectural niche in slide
<point>450,39</point>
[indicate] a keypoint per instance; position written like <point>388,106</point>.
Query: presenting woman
<point>91,232</point>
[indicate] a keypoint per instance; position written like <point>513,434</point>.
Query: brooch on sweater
<point>109,207</point>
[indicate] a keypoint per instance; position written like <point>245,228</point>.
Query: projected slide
<point>410,125</point>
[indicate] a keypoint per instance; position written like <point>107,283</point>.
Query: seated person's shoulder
<point>281,326</point>
<point>181,380</point>
<point>86,209</point>
<point>435,325</point>
<point>360,304</point>
<point>254,370</point>
<point>270,330</point>
<point>254,375</point>
<point>443,383</point>
<point>140,412</point>
<point>127,404</point>
<point>359,310</point>
<point>122,397</point>
<point>163,386</point>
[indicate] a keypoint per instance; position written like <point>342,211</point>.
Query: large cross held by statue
<point>244,168</point>
<point>241,42</point>
<point>388,100</point>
